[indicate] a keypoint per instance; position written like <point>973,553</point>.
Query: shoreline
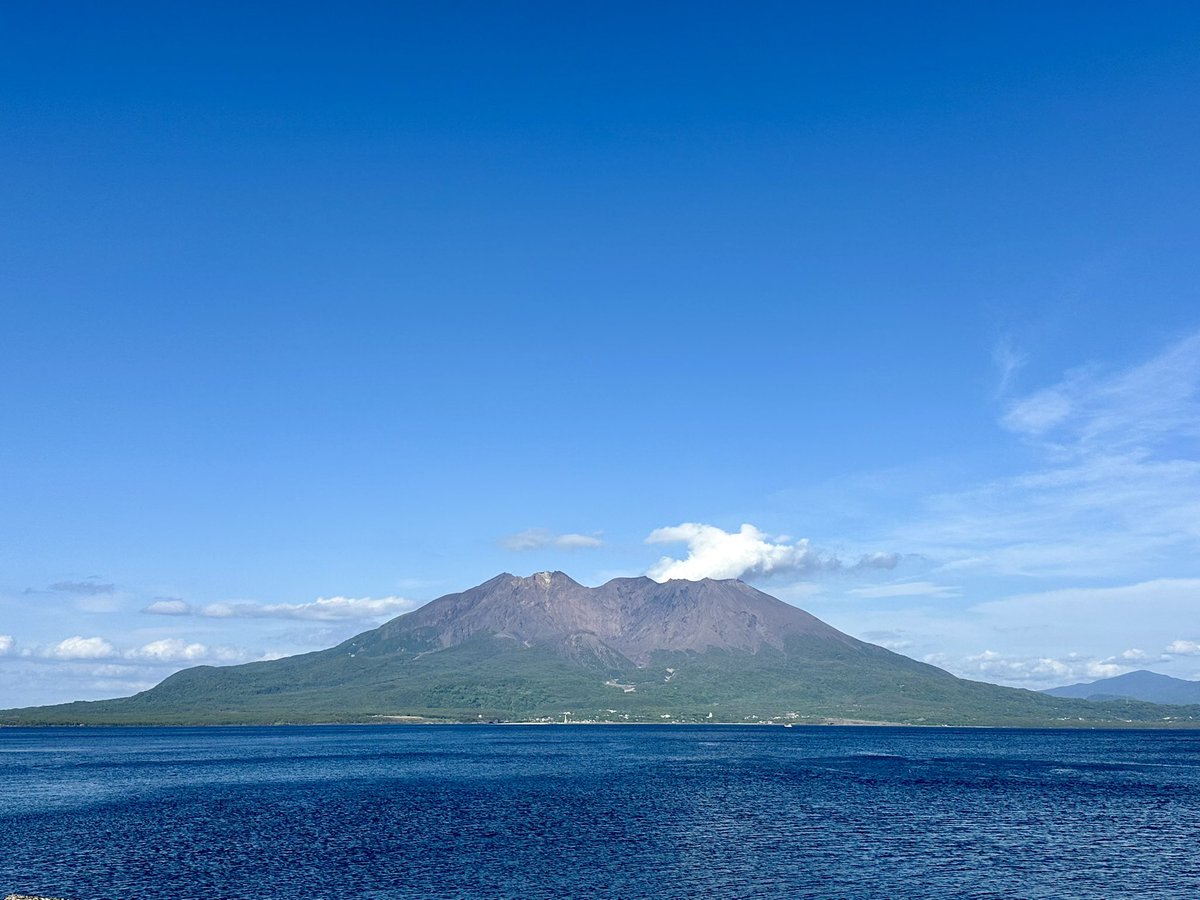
<point>409,722</point>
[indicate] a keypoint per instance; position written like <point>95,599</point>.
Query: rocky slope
<point>635,617</point>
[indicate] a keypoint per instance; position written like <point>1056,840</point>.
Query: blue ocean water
<point>576,811</point>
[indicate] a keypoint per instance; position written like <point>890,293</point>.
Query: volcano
<point>547,648</point>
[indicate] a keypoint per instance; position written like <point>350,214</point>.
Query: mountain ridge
<point>1141,684</point>
<point>634,616</point>
<point>544,647</point>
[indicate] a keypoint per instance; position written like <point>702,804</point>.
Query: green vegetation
<point>488,678</point>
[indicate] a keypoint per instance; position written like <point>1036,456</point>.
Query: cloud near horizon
<point>79,647</point>
<point>748,552</point>
<point>1041,672</point>
<point>538,538</point>
<point>171,650</point>
<point>322,609</point>
<point>165,650</point>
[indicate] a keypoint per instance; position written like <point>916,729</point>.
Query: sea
<point>671,811</point>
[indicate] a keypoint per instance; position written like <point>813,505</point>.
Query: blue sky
<point>308,318</point>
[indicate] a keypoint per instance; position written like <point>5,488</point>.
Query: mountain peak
<point>546,581</point>
<point>1141,684</point>
<point>551,579</point>
<point>631,617</point>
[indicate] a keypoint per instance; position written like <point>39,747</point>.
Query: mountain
<point>546,647</point>
<point>1140,685</point>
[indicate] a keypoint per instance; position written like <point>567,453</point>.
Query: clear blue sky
<point>304,302</point>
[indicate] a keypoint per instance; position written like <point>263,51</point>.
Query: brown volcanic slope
<point>636,617</point>
<point>629,650</point>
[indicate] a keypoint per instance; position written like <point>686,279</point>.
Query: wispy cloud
<point>878,560</point>
<point>1114,491</point>
<point>892,640</point>
<point>1136,409</point>
<point>169,606</point>
<point>1184,648</point>
<point>746,553</point>
<point>539,538</point>
<point>908,589</point>
<point>323,608</point>
<point>1083,610</point>
<point>7,644</point>
<point>88,587</point>
<point>1008,361</point>
<point>798,592</point>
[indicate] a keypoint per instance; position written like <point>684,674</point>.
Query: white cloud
<point>169,606</point>
<point>714,553</point>
<point>323,608</point>
<point>746,553</point>
<point>169,650</point>
<point>82,648</point>
<point>174,650</point>
<point>908,589</point>
<point>1184,648</point>
<point>1030,671</point>
<point>538,538</point>
<point>163,650</point>
<point>7,643</point>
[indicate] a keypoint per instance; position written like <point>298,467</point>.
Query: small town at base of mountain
<point>548,649</point>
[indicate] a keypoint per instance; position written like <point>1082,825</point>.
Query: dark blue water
<point>628,812</point>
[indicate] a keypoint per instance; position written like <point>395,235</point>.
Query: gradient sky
<point>309,315</point>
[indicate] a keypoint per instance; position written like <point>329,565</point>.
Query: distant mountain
<point>546,647</point>
<point>1140,685</point>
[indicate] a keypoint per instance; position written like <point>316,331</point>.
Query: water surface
<point>628,812</point>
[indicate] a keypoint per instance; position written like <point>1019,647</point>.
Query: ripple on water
<point>395,812</point>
